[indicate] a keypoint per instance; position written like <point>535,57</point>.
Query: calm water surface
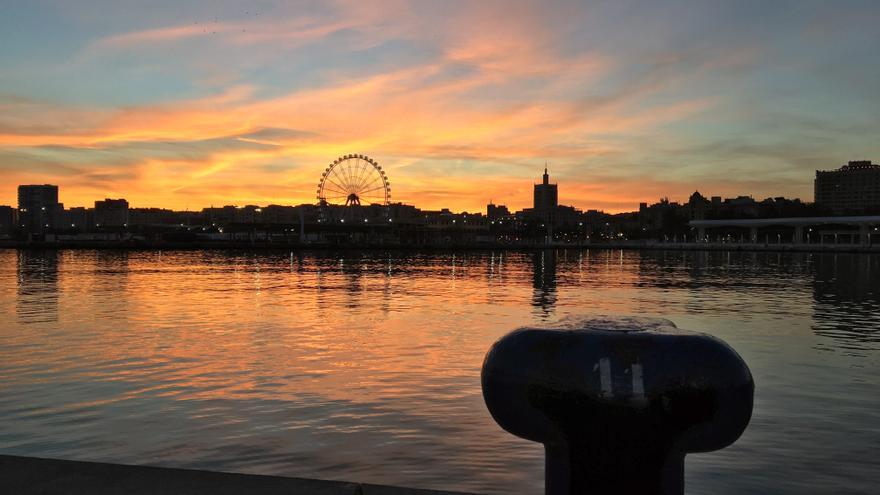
<point>365,366</point>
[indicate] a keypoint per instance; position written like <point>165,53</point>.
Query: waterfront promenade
<point>530,246</point>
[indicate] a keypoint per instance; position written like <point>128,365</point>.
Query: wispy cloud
<point>461,102</point>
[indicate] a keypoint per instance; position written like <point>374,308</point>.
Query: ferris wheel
<point>354,180</point>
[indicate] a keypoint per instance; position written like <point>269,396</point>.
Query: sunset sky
<point>189,104</point>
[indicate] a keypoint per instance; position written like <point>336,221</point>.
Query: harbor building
<point>853,187</point>
<point>111,213</point>
<point>546,194</point>
<point>7,220</point>
<point>38,208</point>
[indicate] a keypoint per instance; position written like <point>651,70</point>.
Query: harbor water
<point>364,366</point>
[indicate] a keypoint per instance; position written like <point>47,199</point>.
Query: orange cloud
<point>405,113</point>
<point>472,119</point>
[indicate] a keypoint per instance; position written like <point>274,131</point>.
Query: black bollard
<point>617,402</point>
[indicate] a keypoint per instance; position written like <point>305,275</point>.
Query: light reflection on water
<point>365,366</point>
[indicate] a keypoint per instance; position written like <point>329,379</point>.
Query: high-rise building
<point>111,213</point>
<point>38,208</point>
<point>546,194</point>
<point>854,186</point>
<point>7,220</point>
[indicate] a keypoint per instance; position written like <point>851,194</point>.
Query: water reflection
<point>365,366</point>
<point>38,293</point>
<point>111,269</point>
<point>846,289</point>
<point>544,281</point>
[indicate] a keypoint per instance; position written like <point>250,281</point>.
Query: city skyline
<point>551,200</point>
<point>189,106</point>
<point>855,185</point>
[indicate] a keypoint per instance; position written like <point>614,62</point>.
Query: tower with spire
<point>546,194</point>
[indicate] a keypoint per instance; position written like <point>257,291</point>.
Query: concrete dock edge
<point>37,476</point>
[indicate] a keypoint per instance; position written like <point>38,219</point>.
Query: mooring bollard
<point>617,402</point>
